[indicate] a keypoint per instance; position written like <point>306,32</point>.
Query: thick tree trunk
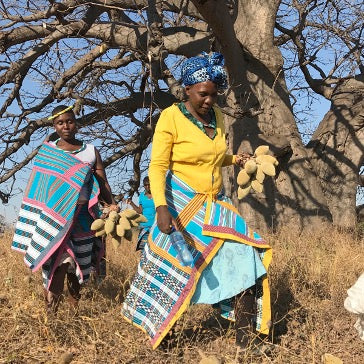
<point>295,197</point>
<point>337,150</point>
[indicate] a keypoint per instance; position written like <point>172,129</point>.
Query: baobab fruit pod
<point>109,226</point>
<point>133,223</point>
<point>262,149</point>
<point>124,222</point>
<point>243,191</point>
<point>103,48</point>
<point>128,235</point>
<point>266,158</point>
<point>141,218</point>
<point>105,211</point>
<point>115,242</point>
<point>130,214</point>
<point>120,230</point>
<point>250,166</point>
<point>100,233</point>
<point>268,169</point>
<point>257,186</point>
<point>114,216</point>
<point>97,224</point>
<point>243,178</point>
<point>259,174</point>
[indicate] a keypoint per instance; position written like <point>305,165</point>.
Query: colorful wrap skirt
<point>50,221</point>
<point>162,288</point>
<point>82,247</point>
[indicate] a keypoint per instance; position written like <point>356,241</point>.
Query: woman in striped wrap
<point>230,260</point>
<point>59,205</point>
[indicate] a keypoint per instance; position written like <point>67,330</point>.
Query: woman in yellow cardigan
<point>230,260</point>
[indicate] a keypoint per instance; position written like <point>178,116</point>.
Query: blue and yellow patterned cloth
<point>204,68</point>
<point>235,268</point>
<point>162,288</point>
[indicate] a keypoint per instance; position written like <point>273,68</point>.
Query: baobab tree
<point>118,61</point>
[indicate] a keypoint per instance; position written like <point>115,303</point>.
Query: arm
<point>228,160</point>
<point>162,144</point>
<point>160,159</point>
<point>105,189</point>
<point>238,159</point>
<point>138,209</point>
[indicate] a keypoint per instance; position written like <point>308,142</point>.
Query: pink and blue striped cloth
<point>49,210</point>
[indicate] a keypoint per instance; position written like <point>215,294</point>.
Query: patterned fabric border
<point>49,204</point>
<point>162,288</point>
<point>85,249</point>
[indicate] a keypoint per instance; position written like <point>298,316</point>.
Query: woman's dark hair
<point>60,108</point>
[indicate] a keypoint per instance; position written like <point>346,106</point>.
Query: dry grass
<point>309,279</point>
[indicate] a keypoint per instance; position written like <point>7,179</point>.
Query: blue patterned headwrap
<point>204,68</point>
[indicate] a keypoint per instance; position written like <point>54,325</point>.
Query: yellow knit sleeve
<point>228,160</point>
<point>160,157</point>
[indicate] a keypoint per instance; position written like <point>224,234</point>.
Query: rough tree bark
<point>337,150</point>
<point>109,58</point>
<point>295,198</point>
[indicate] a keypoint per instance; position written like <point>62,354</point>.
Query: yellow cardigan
<point>180,146</point>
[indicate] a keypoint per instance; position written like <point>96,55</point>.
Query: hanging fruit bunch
<point>118,225</point>
<point>255,169</point>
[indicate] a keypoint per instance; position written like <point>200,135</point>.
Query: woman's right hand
<point>165,221</point>
<point>242,158</point>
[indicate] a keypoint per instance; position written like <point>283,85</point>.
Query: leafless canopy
<point>117,62</point>
<point>108,58</point>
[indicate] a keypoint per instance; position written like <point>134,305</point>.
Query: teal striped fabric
<point>162,289</point>
<point>49,204</point>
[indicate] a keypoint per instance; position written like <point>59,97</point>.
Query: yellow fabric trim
<point>229,206</point>
<point>165,255</point>
<point>208,212</point>
<point>228,236</point>
<point>134,324</point>
<point>187,301</point>
<point>233,237</point>
<point>190,210</point>
<point>266,308</point>
<point>61,112</point>
<point>266,302</point>
<point>183,219</point>
<point>267,258</point>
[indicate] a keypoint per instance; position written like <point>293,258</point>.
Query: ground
<point>309,277</point>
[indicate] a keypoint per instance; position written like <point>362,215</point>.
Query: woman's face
<point>146,184</point>
<point>202,96</point>
<point>65,125</point>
